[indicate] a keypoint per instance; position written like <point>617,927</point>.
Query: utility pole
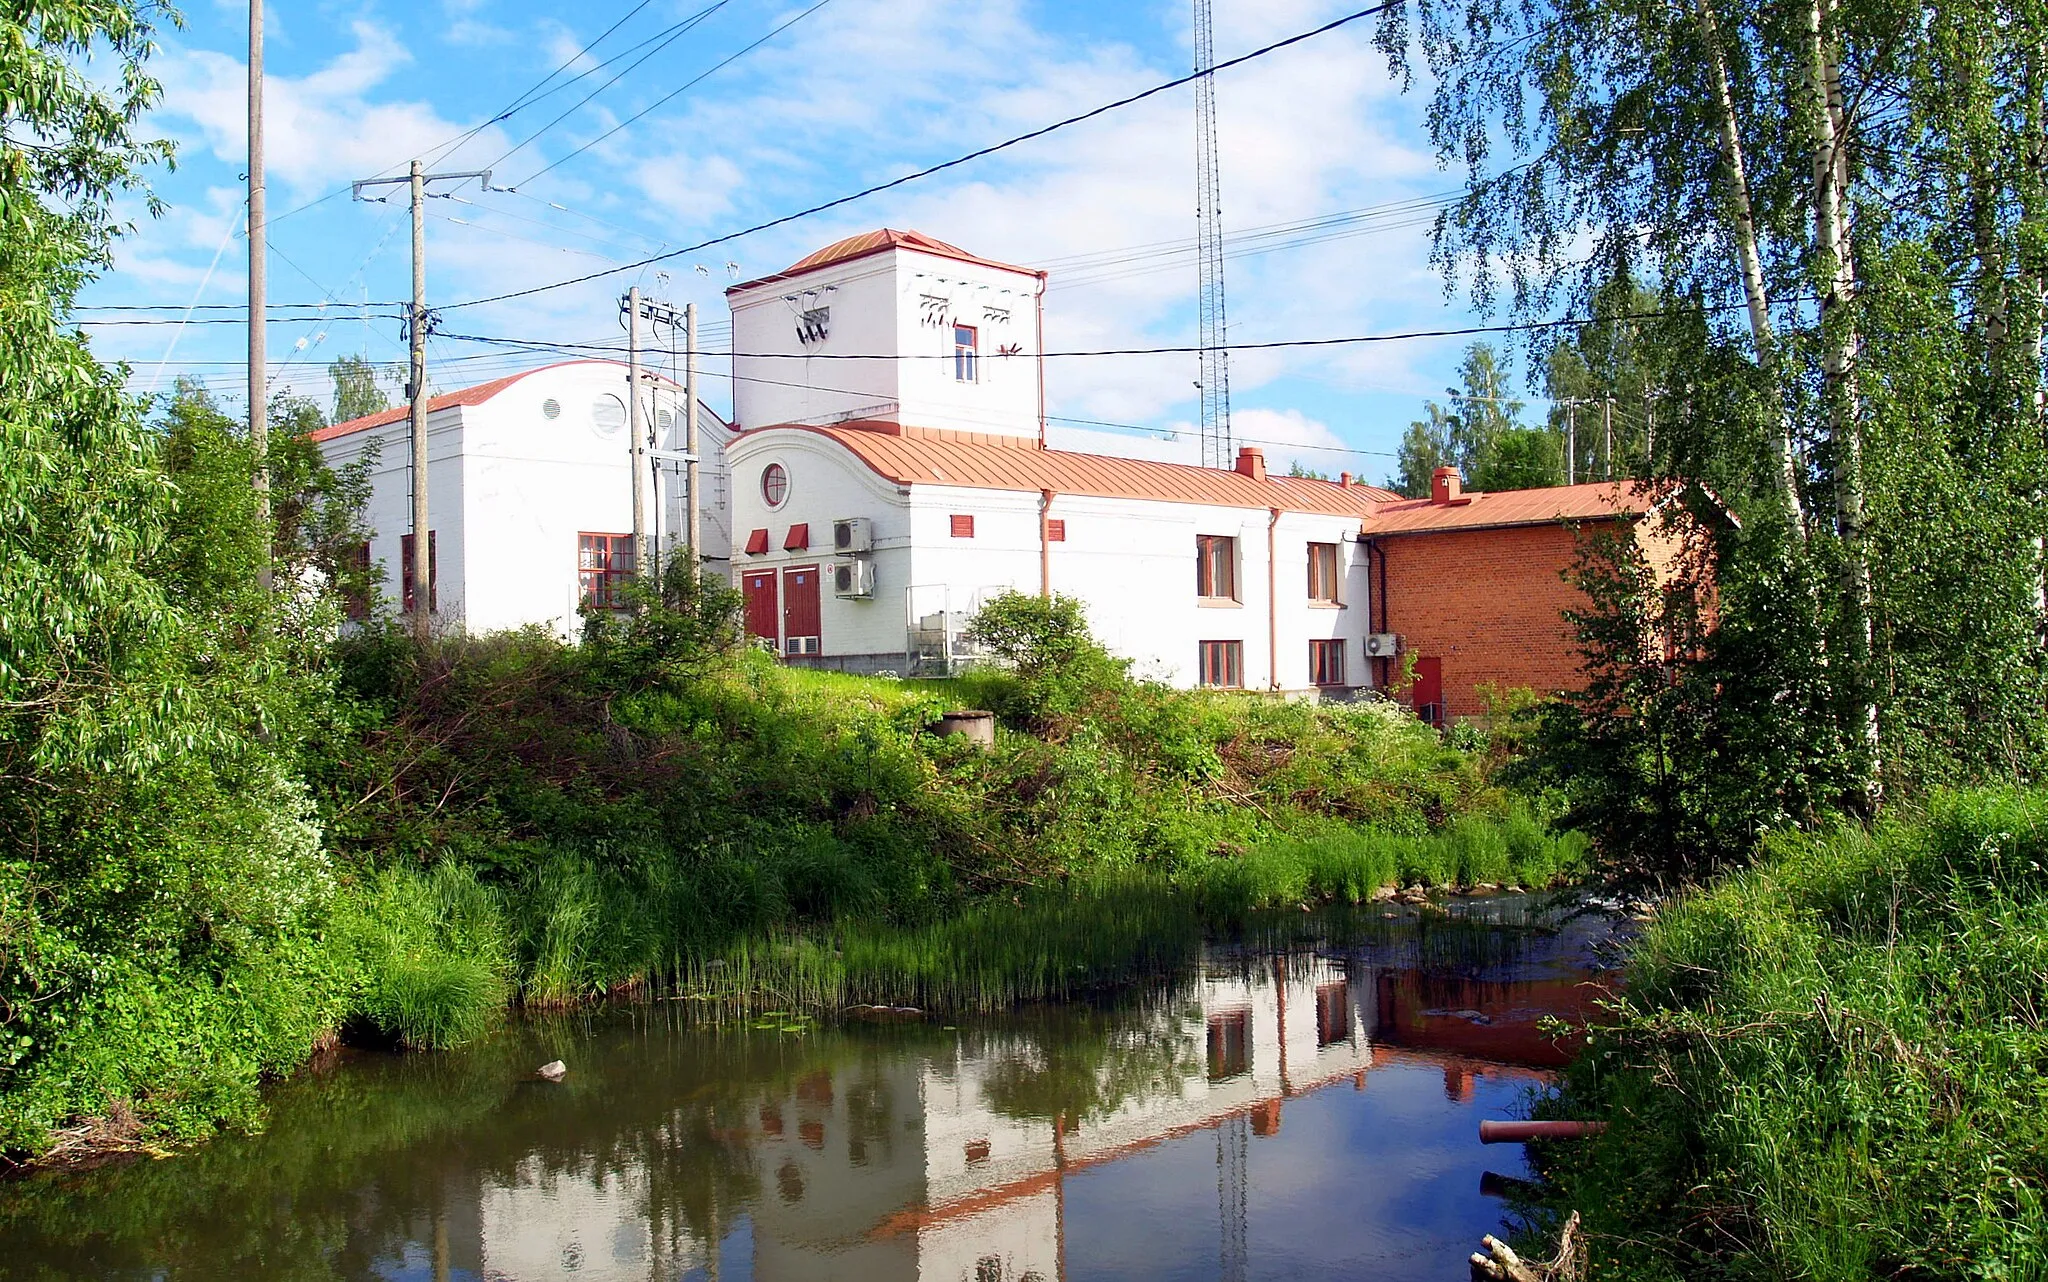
<point>1607,435</point>
<point>259,391</point>
<point>692,521</point>
<point>418,322</point>
<point>631,306</point>
<point>1571,442</point>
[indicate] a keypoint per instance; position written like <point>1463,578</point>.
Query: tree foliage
<point>1480,433</point>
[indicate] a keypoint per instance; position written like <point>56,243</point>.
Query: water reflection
<point>1293,1115</point>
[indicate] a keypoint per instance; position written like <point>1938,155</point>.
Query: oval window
<point>664,420</point>
<point>608,415</point>
<point>551,408</point>
<point>774,485</point>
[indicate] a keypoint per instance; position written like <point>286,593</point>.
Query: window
<point>357,588</point>
<point>1230,1044</point>
<point>433,571</point>
<point>963,526</point>
<point>774,485</point>
<point>1216,566</point>
<point>1322,573</point>
<point>1326,662</point>
<point>1333,1013</point>
<point>964,363</point>
<point>1055,530</point>
<point>1223,664</point>
<point>608,416</point>
<point>604,565</point>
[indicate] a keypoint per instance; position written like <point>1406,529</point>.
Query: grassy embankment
<point>512,819</point>
<point>1834,1065</point>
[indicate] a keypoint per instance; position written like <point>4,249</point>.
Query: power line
<point>676,92</point>
<point>927,172</point>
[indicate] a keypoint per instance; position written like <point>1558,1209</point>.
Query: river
<point>1307,1110</point>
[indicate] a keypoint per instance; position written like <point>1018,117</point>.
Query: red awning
<point>799,537</point>
<point>757,543</point>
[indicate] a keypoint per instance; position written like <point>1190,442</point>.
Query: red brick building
<point>1473,584</point>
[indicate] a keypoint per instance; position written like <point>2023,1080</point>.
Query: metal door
<point>758,586</point>
<point>1429,690</point>
<point>800,610</point>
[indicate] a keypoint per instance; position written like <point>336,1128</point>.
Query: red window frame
<point>433,571</point>
<point>966,354</point>
<point>1322,573</point>
<point>1223,664</point>
<point>1216,566</point>
<point>604,565</point>
<point>774,485</point>
<point>1326,662</point>
<point>963,525</point>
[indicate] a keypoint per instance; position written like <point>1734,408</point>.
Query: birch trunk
<point>1735,172</point>
<point>1835,269</point>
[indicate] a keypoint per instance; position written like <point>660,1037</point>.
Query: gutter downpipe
<point>1376,610</point>
<point>1039,300</point>
<point>1272,601</point>
<point>1045,544</point>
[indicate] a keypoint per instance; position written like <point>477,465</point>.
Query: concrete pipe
<point>1493,1132</point>
<point>973,724</point>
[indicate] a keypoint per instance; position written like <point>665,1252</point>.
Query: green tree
<point>1479,433</point>
<point>357,389</point>
<point>1425,447</point>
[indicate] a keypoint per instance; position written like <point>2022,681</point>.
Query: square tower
<point>890,327</point>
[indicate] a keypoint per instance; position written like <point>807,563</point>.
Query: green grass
<point>1832,1066</point>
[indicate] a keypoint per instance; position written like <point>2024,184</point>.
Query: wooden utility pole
<point>631,305</point>
<point>1607,436</point>
<point>259,392</point>
<point>693,520</point>
<point>418,322</point>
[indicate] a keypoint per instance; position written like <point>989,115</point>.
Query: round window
<point>608,415</point>
<point>774,484</point>
<point>551,408</point>
<point>664,420</point>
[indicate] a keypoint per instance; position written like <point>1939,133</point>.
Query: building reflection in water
<point>952,1164</point>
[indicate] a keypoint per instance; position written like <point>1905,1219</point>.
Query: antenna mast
<point>1215,359</point>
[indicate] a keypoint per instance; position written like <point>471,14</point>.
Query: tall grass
<point>1831,1067</point>
<point>432,952</point>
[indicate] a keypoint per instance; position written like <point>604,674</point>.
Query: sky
<point>850,93</point>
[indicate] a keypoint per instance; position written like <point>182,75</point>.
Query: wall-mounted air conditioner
<point>854,579</point>
<point>853,534</point>
<point>1382,645</point>
<point>801,646</point>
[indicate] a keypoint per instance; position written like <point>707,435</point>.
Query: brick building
<point>1473,584</point>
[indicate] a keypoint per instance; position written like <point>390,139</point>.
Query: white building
<point>890,475</point>
<point>530,498</point>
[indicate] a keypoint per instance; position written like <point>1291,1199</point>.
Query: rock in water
<point>554,1070</point>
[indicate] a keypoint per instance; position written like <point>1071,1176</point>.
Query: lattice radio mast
<point>1215,367</point>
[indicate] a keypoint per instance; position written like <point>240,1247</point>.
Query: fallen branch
<point>1499,1263</point>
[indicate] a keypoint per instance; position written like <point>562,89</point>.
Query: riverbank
<point>514,821</point>
<point>1831,1066</point>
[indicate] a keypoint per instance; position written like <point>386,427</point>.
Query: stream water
<point>1305,1111</point>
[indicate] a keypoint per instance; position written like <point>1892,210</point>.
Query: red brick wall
<point>1488,603</point>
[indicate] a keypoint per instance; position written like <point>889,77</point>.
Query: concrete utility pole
<point>693,519</point>
<point>1607,435</point>
<point>259,390</point>
<point>418,322</point>
<point>631,306</point>
<point>1571,443</point>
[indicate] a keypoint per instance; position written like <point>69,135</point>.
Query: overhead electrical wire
<point>929,170</point>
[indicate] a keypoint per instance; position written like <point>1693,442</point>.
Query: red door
<point>758,587</point>
<point>800,610</point>
<point>1429,690</point>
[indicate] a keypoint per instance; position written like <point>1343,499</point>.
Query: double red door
<point>782,607</point>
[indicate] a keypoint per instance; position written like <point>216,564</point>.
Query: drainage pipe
<point>1045,544</point>
<point>1272,601</point>
<point>1493,1132</point>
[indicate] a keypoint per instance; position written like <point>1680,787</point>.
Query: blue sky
<point>855,93</point>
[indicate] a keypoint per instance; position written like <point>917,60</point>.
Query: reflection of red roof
<point>467,396</point>
<point>875,242</point>
<point>1600,500</point>
<point>926,456</point>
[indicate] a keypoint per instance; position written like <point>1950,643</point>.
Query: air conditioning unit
<point>853,534</point>
<point>853,579</point>
<point>1382,645</point>
<point>800,645</point>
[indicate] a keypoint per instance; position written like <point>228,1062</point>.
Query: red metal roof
<point>1478,510</point>
<point>929,456</point>
<point>874,242</point>
<point>467,396</point>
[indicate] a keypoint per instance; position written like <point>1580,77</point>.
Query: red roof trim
<point>447,400</point>
<point>757,543</point>
<point>880,241</point>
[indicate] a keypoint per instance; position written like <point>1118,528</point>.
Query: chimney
<point>1445,486</point>
<point>1343,478</point>
<point>1251,461</point>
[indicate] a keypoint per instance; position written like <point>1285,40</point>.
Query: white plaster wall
<point>877,309</point>
<point>511,491</point>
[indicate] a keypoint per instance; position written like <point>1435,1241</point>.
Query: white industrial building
<point>530,492</point>
<point>890,475</point>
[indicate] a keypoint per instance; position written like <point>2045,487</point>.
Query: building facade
<point>531,492</point>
